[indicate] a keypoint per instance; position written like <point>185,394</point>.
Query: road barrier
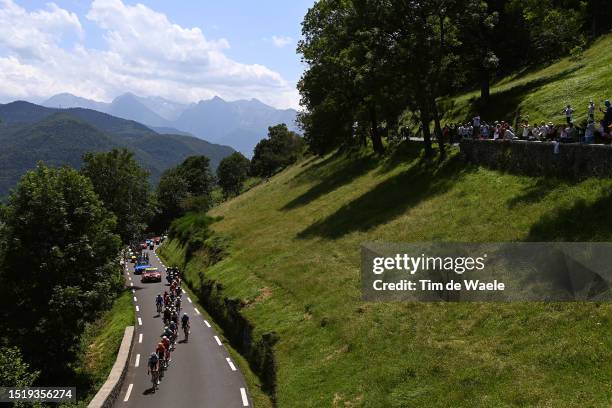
<point>108,393</point>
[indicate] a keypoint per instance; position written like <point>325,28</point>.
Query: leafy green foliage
<point>15,372</point>
<point>123,187</point>
<point>232,173</point>
<point>59,268</point>
<point>370,61</point>
<point>280,149</point>
<point>186,187</point>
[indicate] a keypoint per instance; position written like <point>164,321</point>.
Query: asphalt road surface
<point>201,373</point>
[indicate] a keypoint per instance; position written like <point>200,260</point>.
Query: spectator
<point>484,131</point>
<point>589,133</point>
<point>591,110</point>
<point>607,120</point>
<point>568,111</point>
<point>476,126</point>
<point>526,130</point>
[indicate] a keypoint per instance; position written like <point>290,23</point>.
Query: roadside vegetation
<point>99,346</point>
<point>293,266</point>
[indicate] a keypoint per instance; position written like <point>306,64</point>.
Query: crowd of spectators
<point>589,131</point>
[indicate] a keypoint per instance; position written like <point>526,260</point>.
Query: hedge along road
<point>201,373</point>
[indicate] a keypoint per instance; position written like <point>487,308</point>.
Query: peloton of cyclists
<point>168,305</point>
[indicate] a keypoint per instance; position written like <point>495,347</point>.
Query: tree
<point>122,185</point>
<point>195,170</point>
<point>14,372</point>
<point>59,267</point>
<point>232,172</point>
<point>280,149</point>
<point>182,188</point>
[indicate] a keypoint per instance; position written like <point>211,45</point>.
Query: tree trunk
<point>374,134</point>
<point>485,86</point>
<point>426,135</point>
<point>438,131</point>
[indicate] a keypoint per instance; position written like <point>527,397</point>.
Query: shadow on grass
<point>536,192</point>
<point>505,105</point>
<point>346,168</point>
<point>405,152</point>
<point>583,221</point>
<point>390,198</point>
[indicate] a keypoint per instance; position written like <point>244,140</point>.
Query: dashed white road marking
<point>206,323</point>
<point>218,341</point>
<point>229,361</point>
<point>196,310</point>
<point>135,300</point>
<point>183,290</point>
<point>189,299</point>
<point>132,284</point>
<point>129,277</point>
<point>140,338</point>
<point>133,290</point>
<point>245,400</point>
<point>129,391</point>
<point>139,321</point>
<point>137,308</point>
<point>137,363</point>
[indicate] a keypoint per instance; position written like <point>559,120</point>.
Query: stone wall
<point>573,161</point>
<point>107,395</point>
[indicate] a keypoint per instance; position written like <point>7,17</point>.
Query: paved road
<point>201,373</point>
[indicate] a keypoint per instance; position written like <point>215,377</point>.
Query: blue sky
<point>239,49</point>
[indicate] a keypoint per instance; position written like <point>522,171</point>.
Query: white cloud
<point>41,54</point>
<point>281,41</point>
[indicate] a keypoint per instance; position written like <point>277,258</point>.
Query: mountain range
<point>31,133</point>
<point>239,124</point>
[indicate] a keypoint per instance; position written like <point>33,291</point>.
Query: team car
<point>140,267</point>
<point>151,274</point>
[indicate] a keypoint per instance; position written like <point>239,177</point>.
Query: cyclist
<point>160,349</point>
<point>153,369</point>
<point>166,298</point>
<point>178,304</point>
<point>185,324</point>
<point>174,328</point>
<point>174,318</point>
<point>159,302</point>
<point>167,315</point>
<point>166,342</point>
<point>168,333</point>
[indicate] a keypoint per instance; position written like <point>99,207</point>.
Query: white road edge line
<point>139,321</point>
<point>206,323</point>
<point>218,341</point>
<point>137,363</point>
<point>132,284</point>
<point>245,400</point>
<point>140,338</point>
<point>135,300</point>
<point>189,300</point>
<point>229,361</point>
<point>137,308</point>
<point>129,391</point>
<point>183,290</point>
<point>196,310</point>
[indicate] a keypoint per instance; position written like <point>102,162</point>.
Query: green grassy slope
<point>541,94</point>
<point>294,262</point>
<point>99,346</point>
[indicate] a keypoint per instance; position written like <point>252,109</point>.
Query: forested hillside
<point>30,133</point>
